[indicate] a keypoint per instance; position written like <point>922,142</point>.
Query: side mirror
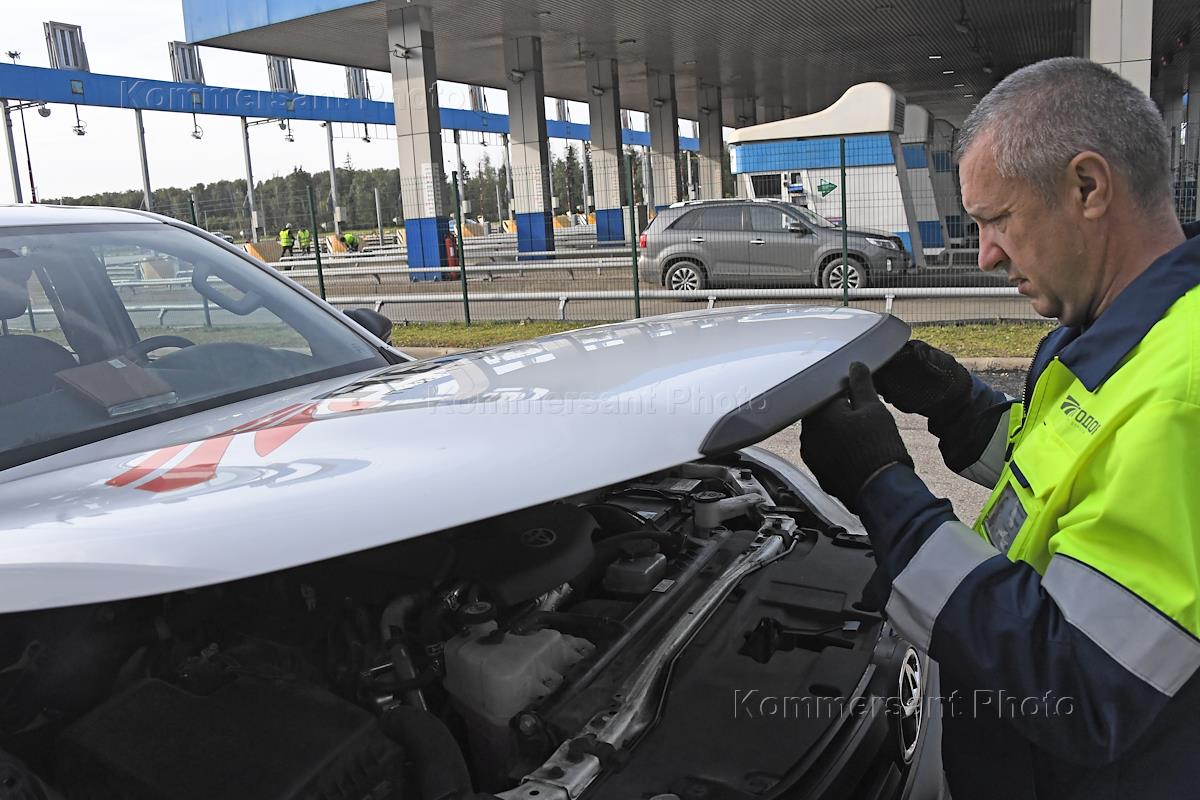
<point>798,227</point>
<point>373,321</point>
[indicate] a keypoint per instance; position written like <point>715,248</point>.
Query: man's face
<point>1039,246</point>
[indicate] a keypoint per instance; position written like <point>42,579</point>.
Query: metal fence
<point>831,221</point>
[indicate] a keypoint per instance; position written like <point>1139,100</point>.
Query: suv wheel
<point>685,276</point>
<point>837,272</point>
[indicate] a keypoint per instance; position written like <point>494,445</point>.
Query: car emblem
<point>538,537</point>
<point>911,696</point>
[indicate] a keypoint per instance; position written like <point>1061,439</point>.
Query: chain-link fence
<point>870,221</point>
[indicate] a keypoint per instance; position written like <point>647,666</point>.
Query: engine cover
<point>250,739</point>
<point>520,556</point>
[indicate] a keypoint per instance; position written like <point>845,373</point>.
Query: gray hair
<point>1043,115</point>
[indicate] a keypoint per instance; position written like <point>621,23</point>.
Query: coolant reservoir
<point>497,674</point>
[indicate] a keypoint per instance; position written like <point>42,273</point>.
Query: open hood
<point>344,465</point>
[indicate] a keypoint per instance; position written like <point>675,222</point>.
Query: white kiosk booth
<point>798,159</point>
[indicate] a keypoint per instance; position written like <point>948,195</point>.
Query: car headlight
<point>886,244</point>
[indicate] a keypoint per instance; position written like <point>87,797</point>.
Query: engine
<point>432,668</point>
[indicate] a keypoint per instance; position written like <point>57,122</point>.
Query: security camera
<point>80,129</point>
<point>197,134</point>
<point>43,110</point>
<point>516,75</point>
<point>282,125</point>
<point>598,91</point>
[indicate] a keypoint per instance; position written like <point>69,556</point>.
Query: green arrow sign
<point>825,187</point>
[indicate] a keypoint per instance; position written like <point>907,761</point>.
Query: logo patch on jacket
<point>1071,408</point>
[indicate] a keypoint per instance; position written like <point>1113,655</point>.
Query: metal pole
<point>845,231</point>
<point>11,146</point>
<point>337,222</point>
<point>28,158</point>
<point>648,181</point>
<point>587,184</point>
<point>312,221</point>
<point>462,251</point>
<point>499,207</point>
<point>379,215</point>
<point>633,241</point>
<point>462,189</point>
<point>249,181</point>
<point>141,137</point>
<point>508,179</point>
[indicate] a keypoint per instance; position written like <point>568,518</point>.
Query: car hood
<point>875,233</point>
<point>354,463</point>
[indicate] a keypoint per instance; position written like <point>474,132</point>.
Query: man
<point>285,240</point>
<point>1065,623</point>
<point>304,239</point>
<point>351,241</point>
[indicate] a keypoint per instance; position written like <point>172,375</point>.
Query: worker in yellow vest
<point>304,239</point>
<point>285,240</point>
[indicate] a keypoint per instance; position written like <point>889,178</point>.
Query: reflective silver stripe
<point>1133,633</point>
<point>986,471</point>
<point>920,592</point>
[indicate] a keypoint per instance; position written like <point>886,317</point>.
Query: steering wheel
<point>141,351</point>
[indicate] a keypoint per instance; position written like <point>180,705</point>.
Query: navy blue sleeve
<point>996,626</point>
<point>964,436</point>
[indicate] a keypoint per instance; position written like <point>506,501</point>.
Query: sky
<point>129,37</point>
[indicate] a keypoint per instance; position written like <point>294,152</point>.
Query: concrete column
<point>527,134</point>
<point>664,138</point>
<point>608,167</point>
<point>766,110</point>
<point>418,137</point>
<point>745,112</point>
<point>10,146</point>
<point>1119,37</point>
<point>148,196</point>
<point>1191,150</point>
<point>508,178</point>
<point>712,146</point>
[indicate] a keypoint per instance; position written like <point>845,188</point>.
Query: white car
<point>249,550</point>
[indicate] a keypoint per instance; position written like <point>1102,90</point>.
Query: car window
<point>765,219</point>
<point>104,328</point>
<point>688,222</point>
<point>720,218</point>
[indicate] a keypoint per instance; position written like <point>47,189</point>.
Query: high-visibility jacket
<point>285,237</point>
<point>351,241</point>
<point>1066,621</point>
<point>304,236</point>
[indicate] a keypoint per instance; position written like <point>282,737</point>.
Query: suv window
<point>687,222</point>
<point>720,218</point>
<point>765,219</point>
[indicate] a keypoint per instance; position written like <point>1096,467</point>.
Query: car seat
<point>27,363</point>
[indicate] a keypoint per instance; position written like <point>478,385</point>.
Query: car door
<point>720,237</point>
<point>777,254</point>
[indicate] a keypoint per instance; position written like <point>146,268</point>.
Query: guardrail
<point>711,296</point>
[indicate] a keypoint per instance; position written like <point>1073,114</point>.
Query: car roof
<point>12,216</point>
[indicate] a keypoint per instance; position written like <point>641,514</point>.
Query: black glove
<point>924,380</point>
<point>850,438</point>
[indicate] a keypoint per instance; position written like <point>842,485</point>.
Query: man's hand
<point>850,438</point>
<point>924,380</point>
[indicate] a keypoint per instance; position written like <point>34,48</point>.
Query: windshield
<point>813,218</point>
<point>108,328</point>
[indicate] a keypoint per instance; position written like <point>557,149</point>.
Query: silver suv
<point>702,244</point>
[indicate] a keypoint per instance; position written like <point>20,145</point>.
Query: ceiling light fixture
<point>988,68</point>
<point>947,72</point>
<point>544,13</point>
<point>627,41</point>
<point>968,95</point>
<point>959,85</point>
<point>691,62</point>
<point>935,57</point>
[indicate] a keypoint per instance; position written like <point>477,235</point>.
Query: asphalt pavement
<point>966,497</point>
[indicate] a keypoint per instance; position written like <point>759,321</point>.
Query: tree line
<point>224,205</point>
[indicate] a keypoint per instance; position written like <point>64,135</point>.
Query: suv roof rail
<point>685,203</point>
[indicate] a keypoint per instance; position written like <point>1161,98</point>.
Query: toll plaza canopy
<point>793,58</point>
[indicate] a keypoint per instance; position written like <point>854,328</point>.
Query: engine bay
<point>519,656</point>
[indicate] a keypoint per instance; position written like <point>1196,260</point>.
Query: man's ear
<point>1090,184</point>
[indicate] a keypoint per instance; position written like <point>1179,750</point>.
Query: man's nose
<point>991,254</point>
